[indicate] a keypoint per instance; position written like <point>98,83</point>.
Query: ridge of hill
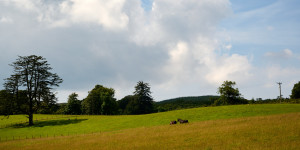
<point>185,102</point>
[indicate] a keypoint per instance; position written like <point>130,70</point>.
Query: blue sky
<point>181,48</point>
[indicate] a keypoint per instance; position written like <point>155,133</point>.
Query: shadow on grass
<point>49,123</point>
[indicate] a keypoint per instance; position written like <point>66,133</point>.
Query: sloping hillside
<point>261,132</point>
<point>184,102</point>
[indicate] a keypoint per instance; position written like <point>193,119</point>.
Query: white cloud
<point>63,95</point>
<point>26,5</point>
<point>235,67</point>
<point>175,46</point>
<point>109,14</point>
<point>277,72</point>
<point>198,62</point>
<point>5,19</point>
<point>192,41</point>
<point>286,53</point>
<point>172,21</point>
<point>228,47</point>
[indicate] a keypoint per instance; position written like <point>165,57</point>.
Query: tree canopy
<point>296,91</point>
<point>143,103</point>
<point>228,94</point>
<point>32,74</point>
<point>74,105</point>
<point>100,101</point>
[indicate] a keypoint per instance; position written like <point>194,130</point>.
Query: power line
<point>280,96</point>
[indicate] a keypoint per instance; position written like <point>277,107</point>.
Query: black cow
<point>182,121</point>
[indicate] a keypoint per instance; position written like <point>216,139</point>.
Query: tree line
<point>29,90</point>
<point>101,101</point>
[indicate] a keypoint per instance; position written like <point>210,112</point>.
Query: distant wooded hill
<point>185,102</point>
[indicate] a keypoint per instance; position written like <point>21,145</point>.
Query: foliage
<point>100,101</point>
<point>48,108</point>
<point>139,103</point>
<point>143,104</point>
<point>274,101</point>
<point>229,95</point>
<point>184,102</point>
<point>109,105</point>
<point>48,105</point>
<point>61,108</point>
<point>6,104</point>
<point>296,91</point>
<point>123,103</point>
<point>33,74</point>
<point>74,105</point>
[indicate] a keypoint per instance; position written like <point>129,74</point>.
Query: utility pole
<point>279,83</point>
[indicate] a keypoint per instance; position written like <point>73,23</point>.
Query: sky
<point>181,48</point>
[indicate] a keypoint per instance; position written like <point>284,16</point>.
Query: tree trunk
<point>30,115</point>
<point>30,119</point>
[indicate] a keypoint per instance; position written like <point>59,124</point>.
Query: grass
<point>281,131</point>
<point>56,125</point>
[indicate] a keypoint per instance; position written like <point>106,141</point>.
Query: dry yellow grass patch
<point>265,132</point>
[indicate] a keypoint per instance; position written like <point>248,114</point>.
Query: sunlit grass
<point>57,125</point>
<point>260,132</point>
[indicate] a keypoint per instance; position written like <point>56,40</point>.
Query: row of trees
<point>101,101</point>
<point>231,96</point>
<point>30,86</point>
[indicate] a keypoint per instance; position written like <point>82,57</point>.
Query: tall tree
<point>74,105</point>
<point>32,73</point>
<point>296,91</point>
<point>99,101</point>
<point>144,102</point>
<point>229,94</point>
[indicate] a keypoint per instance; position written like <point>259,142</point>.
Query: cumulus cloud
<point>109,14</point>
<point>175,46</point>
<point>192,42</point>
<point>180,20</point>
<point>286,53</point>
<point>5,19</point>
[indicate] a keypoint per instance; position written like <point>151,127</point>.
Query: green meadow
<point>64,125</point>
<point>279,131</point>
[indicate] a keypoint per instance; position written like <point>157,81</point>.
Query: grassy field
<point>55,125</point>
<point>261,132</point>
<point>214,121</point>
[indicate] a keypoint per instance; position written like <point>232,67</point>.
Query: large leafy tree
<point>100,101</point>
<point>74,105</point>
<point>296,91</point>
<point>143,103</point>
<point>32,74</point>
<point>126,104</point>
<point>229,94</point>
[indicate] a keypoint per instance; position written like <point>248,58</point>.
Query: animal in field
<point>182,121</point>
<point>173,122</point>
